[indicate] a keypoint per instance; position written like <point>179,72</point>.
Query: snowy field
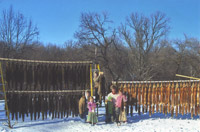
<point>137,123</point>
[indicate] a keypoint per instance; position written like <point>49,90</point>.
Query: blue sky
<point>58,20</point>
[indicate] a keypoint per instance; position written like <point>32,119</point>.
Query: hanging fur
<point>176,98</point>
<point>161,97</point>
<point>195,99</point>
<point>198,94</point>
<point>154,101</point>
<point>168,97</point>
<point>139,97</point>
<point>132,99</point>
<point>142,96</point>
<point>149,98</point>
<point>192,100</point>
<point>172,100</point>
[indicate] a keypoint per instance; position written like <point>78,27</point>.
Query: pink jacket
<point>90,105</point>
<point>119,100</point>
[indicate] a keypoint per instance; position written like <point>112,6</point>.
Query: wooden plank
<point>172,81</point>
<point>38,61</point>
<point>53,91</point>
<point>178,75</point>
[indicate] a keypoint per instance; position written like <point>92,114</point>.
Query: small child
<point>119,108</point>
<point>92,118</point>
<point>110,108</point>
<point>122,115</point>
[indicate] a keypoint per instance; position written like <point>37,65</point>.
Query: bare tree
<point>96,34</point>
<point>143,35</point>
<point>187,56</point>
<point>16,31</point>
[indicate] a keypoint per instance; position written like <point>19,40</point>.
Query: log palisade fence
<point>41,88</point>
<point>175,97</point>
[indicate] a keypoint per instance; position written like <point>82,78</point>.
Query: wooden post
<point>178,75</point>
<point>98,67</point>
<point>91,79</point>
<point>5,97</point>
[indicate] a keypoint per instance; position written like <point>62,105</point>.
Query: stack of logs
<point>171,97</point>
<point>40,89</point>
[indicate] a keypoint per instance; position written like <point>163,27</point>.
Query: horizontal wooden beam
<point>52,91</point>
<point>178,75</point>
<point>129,82</point>
<point>51,62</point>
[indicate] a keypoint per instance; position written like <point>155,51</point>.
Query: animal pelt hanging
<point>198,94</point>
<point>149,98</point>
<point>132,99</point>
<point>154,101</point>
<point>8,75</point>
<point>44,77</point>
<point>161,97</point>
<point>176,98</point>
<point>195,99</point>
<point>168,97</point>
<point>128,98</point>
<point>172,100</point>
<point>143,104</point>
<point>136,94</point>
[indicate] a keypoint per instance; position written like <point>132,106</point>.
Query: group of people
<point>87,107</point>
<point>115,107</point>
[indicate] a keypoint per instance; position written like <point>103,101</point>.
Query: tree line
<point>138,49</point>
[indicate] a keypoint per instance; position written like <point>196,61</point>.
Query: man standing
<point>83,110</point>
<point>97,87</point>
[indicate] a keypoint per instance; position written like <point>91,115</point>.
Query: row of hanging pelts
<point>175,98</point>
<point>37,106</point>
<point>39,76</point>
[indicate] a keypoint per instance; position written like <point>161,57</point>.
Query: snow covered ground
<point>137,123</point>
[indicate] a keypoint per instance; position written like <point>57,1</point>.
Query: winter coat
<point>91,105</point>
<point>82,105</point>
<point>119,100</point>
<point>114,97</point>
<point>96,81</point>
<point>110,107</point>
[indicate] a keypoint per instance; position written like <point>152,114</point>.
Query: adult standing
<point>83,110</point>
<point>97,87</point>
<point>114,94</point>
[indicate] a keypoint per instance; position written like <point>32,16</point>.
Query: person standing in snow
<point>83,110</point>
<point>114,96</point>
<point>92,118</point>
<point>109,110</point>
<point>120,104</point>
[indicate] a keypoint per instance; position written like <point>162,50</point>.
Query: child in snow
<point>122,115</point>
<point>109,107</point>
<point>92,118</point>
<point>120,112</point>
